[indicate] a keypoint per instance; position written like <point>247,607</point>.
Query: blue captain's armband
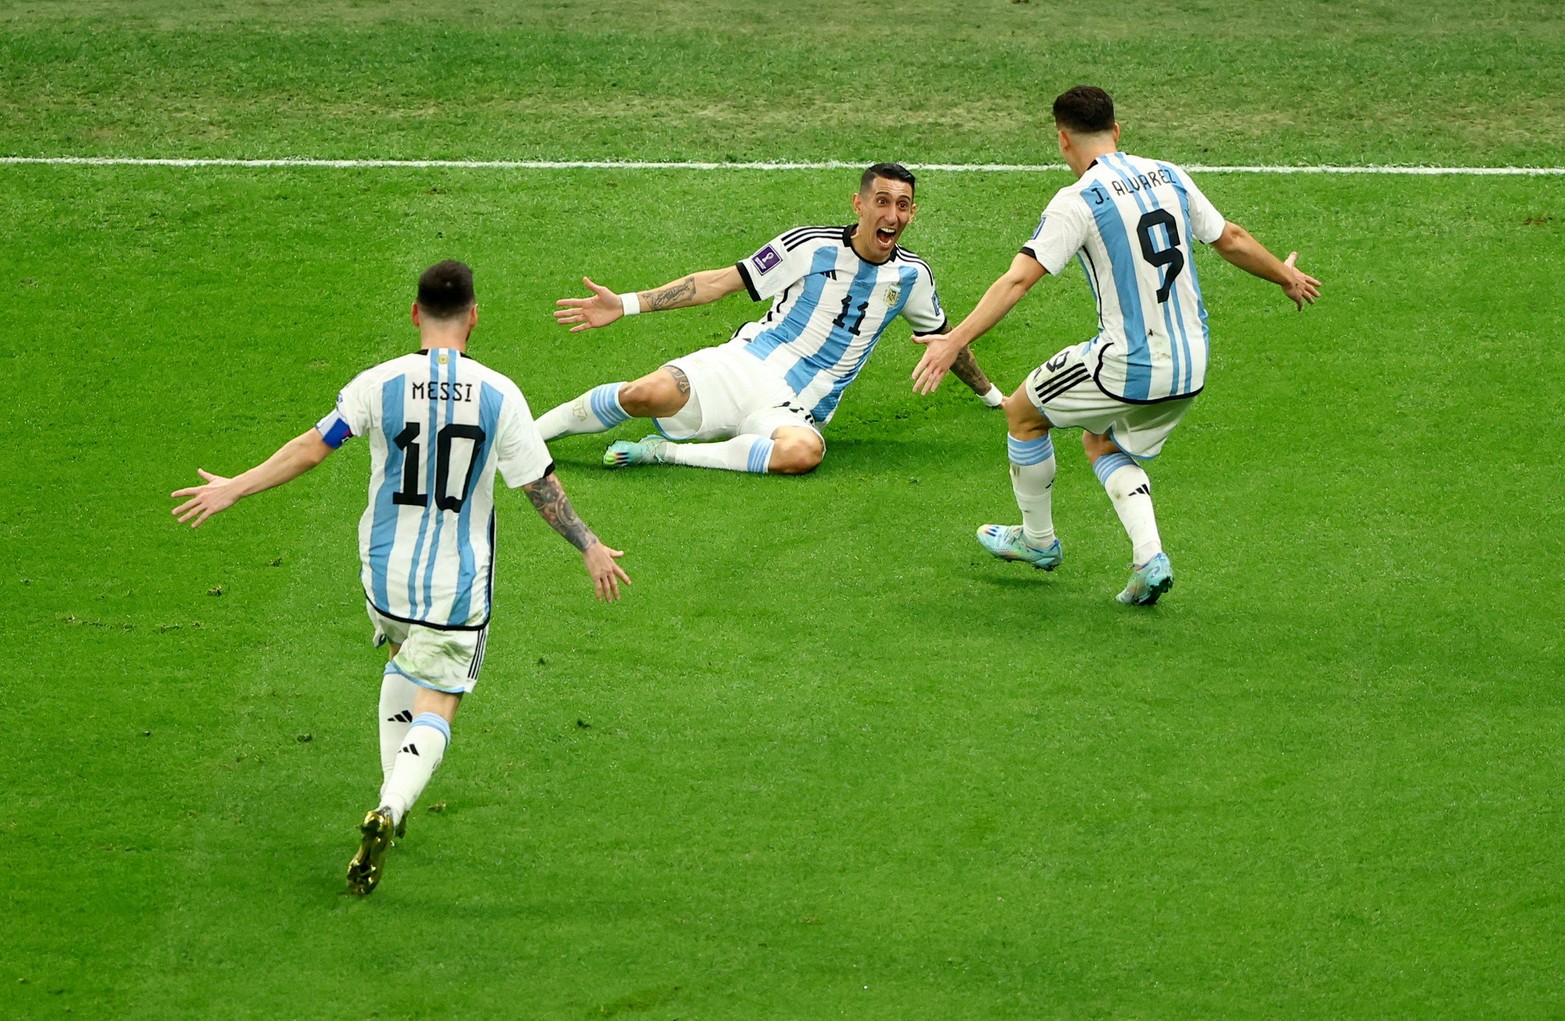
<point>334,429</point>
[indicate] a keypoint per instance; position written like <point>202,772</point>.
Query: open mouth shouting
<point>884,208</point>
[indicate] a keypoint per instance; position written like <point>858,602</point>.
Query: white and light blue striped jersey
<point>1130,220</point>
<point>439,425</point>
<point>829,308</point>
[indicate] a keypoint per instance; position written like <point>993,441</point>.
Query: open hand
<point>204,500</point>
<point>939,355</point>
<point>589,313</point>
<point>606,574</point>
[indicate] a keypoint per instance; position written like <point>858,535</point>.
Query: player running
<point>439,426</point>
<point>765,395</point>
<point>1129,221</point>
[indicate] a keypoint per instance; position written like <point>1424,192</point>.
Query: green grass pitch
<point>826,759</point>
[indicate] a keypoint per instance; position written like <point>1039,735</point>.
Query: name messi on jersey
<point>440,390</point>
<point>1137,183</point>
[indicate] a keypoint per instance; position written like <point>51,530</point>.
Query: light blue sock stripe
<point>760,456</point>
<point>604,401</point>
<point>1025,452</point>
<point>1108,464</point>
<point>434,721</point>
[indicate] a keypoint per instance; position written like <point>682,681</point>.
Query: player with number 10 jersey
<point>439,425</point>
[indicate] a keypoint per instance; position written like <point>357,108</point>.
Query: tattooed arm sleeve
<point>549,498</point>
<point>966,369</point>
<point>693,289</point>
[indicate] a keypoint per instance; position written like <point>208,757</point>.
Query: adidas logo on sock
<point>1145,489</point>
<point>405,716</point>
<point>411,749</point>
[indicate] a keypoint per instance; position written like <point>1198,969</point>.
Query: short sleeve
<point>334,429</point>
<point>352,416</point>
<point>521,456</point>
<point>1062,230</point>
<point>1206,223</point>
<point>923,310</point>
<point>775,266</point>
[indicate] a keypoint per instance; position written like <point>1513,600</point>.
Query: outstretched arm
<point>548,496</point>
<point>966,369</point>
<point>1240,248</point>
<point>940,353</point>
<point>605,306</point>
<point>292,459</point>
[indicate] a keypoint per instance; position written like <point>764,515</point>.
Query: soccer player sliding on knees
<point>760,401</point>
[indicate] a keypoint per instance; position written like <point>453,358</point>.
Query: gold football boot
<point>364,869</point>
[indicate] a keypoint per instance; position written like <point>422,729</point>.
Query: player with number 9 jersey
<point>1128,221</point>
<point>1132,222</point>
<point>440,424</point>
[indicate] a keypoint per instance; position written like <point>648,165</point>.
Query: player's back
<point>1132,223</point>
<point>439,424</point>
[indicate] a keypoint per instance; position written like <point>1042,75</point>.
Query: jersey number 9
<point>1171,257</point>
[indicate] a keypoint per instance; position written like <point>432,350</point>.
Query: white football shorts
<point>732,394</point>
<point>447,661</point>
<point>1063,392</point>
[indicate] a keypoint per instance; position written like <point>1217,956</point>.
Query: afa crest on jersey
<point>891,295</point>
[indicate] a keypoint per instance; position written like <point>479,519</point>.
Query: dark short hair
<point>445,290</point>
<point>1086,109</point>
<point>891,172</point>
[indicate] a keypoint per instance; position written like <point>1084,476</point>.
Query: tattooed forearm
<point>681,380</point>
<point>548,496</point>
<point>674,295</point>
<point>967,370</point>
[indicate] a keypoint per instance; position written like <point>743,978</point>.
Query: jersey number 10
<point>445,439</point>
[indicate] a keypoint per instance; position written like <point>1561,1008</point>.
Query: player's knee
<point>1022,419</point>
<point>655,395</point>
<point>1095,445</point>
<point>795,456</point>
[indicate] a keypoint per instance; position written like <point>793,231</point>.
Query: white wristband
<point>632,303</point>
<point>994,398</point>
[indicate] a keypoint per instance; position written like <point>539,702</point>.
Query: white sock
<point>593,412</point>
<point>396,713</point>
<point>1131,493</point>
<point>740,454</point>
<point>422,749</point>
<point>1032,480</point>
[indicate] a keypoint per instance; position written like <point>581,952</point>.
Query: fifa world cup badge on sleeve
<point>767,259</point>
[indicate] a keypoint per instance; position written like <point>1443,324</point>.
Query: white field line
<point>1004,168</point>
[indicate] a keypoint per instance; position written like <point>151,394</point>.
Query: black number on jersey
<point>1170,257</point>
<point>841,322</point>
<point>407,442</point>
